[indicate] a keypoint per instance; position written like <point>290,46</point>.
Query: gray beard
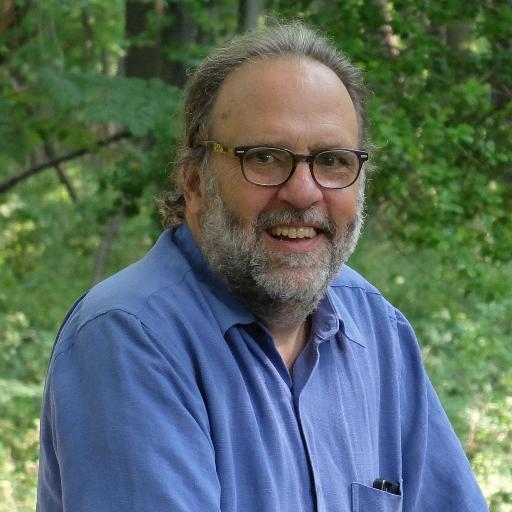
<point>278,288</point>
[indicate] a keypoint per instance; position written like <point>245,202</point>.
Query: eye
<point>261,156</point>
<point>327,159</point>
<point>267,157</point>
<point>334,159</point>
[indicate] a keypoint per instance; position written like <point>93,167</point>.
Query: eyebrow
<point>315,149</point>
<point>285,145</point>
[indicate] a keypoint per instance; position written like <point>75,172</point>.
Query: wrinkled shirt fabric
<point>164,393</point>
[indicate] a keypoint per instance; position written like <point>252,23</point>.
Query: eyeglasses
<point>268,166</point>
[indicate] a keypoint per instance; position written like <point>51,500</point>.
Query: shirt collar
<point>347,323</point>
<point>325,321</point>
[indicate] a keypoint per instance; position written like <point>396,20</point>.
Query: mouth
<point>292,232</point>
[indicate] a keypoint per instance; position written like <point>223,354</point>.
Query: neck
<point>290,339</point>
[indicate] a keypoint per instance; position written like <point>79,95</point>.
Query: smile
<point>293,232</point>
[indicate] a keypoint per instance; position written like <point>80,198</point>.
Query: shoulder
<point>141,296</point>
<point>350,278</point>
<point>352,288</point>
<point>163,268</point>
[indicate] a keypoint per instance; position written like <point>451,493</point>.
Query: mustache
<point>320,220</point>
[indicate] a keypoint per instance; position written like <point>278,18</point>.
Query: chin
<point>294,284</point>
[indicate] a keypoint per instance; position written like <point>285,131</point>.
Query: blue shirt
<point>164,393</point>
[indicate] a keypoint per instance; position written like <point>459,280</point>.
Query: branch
<point>106,244</point>
<point>14,180</point>
<point>61,173</point>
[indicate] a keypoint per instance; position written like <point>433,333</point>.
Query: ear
<point>191,183</point>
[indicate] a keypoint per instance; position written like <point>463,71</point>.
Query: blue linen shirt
<point>164,393</point>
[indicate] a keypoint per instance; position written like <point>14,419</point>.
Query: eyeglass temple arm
<point>216,147</point>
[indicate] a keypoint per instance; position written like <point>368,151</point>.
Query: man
<point>240,365</point>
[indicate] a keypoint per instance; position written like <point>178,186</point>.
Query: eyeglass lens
<point>272,166</point>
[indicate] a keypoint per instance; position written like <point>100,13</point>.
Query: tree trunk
<point>6,15</point>
<point>152,59</point>
<point>249,11</point>
<point>141,61</point>
<point>179,34</point>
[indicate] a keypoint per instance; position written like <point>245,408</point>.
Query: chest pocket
<point>368,499</point>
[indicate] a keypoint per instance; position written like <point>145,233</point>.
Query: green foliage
<point>438,243</point>
<point>140,105</point>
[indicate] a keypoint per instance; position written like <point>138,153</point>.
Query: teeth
<point>293,232</point>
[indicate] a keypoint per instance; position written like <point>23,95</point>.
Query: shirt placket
<point>302,372</point>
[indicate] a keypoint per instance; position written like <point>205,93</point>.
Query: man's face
<point>285,243</point>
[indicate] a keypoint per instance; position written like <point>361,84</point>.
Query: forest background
<point>89,120</point>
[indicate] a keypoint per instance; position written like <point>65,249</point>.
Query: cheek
<point>246,201</point>
<point>342,205</point>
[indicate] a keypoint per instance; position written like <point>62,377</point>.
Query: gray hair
<point>278,40</point>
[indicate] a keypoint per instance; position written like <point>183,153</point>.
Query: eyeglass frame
<point>241,151</point>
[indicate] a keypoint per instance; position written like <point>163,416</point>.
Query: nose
<point>301,190</point>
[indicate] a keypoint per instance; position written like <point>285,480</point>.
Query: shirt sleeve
<point>124,425</point>
<point>436,472</point>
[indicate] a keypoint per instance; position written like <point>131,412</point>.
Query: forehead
<point>265,97</point>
